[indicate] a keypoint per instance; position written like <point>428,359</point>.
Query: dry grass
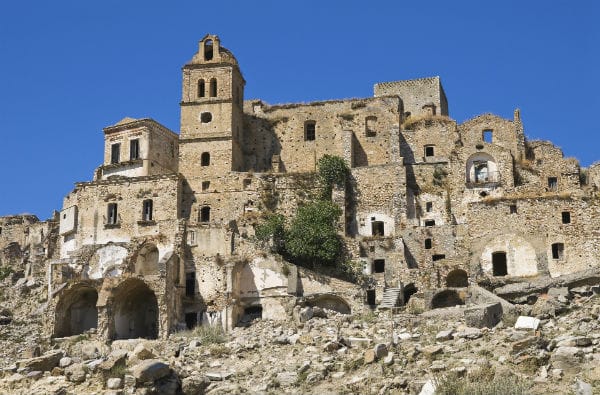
<point>483,382</point>
<point>412,121</point>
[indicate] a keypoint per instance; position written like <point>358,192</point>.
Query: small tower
<point>211,112</point>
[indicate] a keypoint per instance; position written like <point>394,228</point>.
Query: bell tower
<point>211,112</point>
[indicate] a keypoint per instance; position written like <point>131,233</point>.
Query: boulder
<point>287,378</point>
<point>567,359</point>
<point>524,322</point>
<point>44,363</point>
<point>76,372</point>
<point>483,315</point>
<point>114,383</point>
<point>195,385</point>
<point>444,335</point>
<point>141,352</point>
<point>469,333</point>
<point>305,314</point>
<point>150,370</point>
<point>65,361</point>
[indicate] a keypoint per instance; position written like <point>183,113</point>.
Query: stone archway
<point>457,278</point>
<point>408,291</point>
<point>331,302</point>
<point>135,311</point>
<point>446,298</point>
<point>76,311</point>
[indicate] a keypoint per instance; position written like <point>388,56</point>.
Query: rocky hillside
<point>443,351</point>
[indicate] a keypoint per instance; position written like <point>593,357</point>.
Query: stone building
<point>162,237</point>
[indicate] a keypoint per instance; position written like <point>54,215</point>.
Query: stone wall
<point>93,223</point>
<point>280,131</point>
<point>418,95</point>
<point>528,234</point>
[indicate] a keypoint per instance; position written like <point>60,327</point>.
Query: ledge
<point>112,226</point>
<point>146,223</point>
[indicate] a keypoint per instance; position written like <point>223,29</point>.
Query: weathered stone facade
<point>166,226</point>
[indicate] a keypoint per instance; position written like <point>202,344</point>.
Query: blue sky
<point>70,68</point>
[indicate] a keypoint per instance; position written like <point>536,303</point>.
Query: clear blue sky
<point>70,68</point>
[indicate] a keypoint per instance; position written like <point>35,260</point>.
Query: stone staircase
<point>390,298</point>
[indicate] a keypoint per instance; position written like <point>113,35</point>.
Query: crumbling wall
<point>281,131</point>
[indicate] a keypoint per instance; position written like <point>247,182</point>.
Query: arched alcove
<point>135,310</point>
<point>76,311</point>
<point>146,262</point>
<point>446,298</point>
<point>409,290</point>
<point>331,302</point>
<point>457,278</point>
<point>482,168</point>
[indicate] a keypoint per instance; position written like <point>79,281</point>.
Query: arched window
<point>205,214</point>
<point>208,50</point>
<point>201,88</point>
<point>205,159</point>
<point>213,87</point>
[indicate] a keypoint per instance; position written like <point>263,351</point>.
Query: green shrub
<point>5,271</point>
<point>312,237</point>
<point>272,228</point>
<point>332,170</point>
<point>210,334</point>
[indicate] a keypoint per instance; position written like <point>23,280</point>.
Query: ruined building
<point>162,237</point>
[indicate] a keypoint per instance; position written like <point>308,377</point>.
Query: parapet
<point>420,96</point>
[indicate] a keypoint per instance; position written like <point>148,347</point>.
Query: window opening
<point>205,117</point>
<point>430,222</point>
<point>191,237</point>
<point>371,297</point>
<point>111,214</point>
<point>377,228</point>
<point>205,185</point>
<point>429,150</point>
<point>437,257</point>
<point>208,50</point>
<point>201,88</point>
<point>191,320</point>
<point>481,171</point>
<point>213,87</point>
<point>552,183</point>
<point>487,135</point>
<point>115,153</point>
<point>205,159</point>
<point>205,214</point>
<point>253,312</point>
<point>310,130</point>
<point>513,208</point>
<point>428,244</point>
<point>379,266</point>
<point>499,264</point>
<point>429,207</point>
<point>370,126</point>
<point>558,251</point>
<point>190,284</point>
<point>147,210</point>
<point>134,149</point>
<point>566,217</point>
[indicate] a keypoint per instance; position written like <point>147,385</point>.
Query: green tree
<point>332,170</point>
<point>312,238</point>
<point>272,228</point>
